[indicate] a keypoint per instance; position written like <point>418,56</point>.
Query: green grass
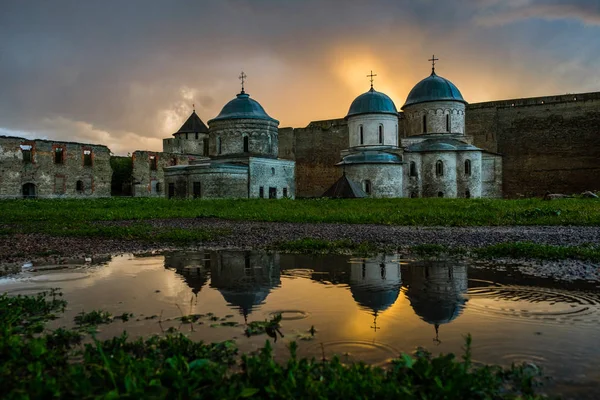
<point>529,250</point>
<point>54,364</point>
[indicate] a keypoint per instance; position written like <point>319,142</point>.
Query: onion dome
<point>243,107</point>
<point>193,125</point>
<point>433,88</point>
<point>372,102</point>
<point>371,157</point>
<point>441,145</point>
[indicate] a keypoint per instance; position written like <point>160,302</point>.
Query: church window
<point>59,155</point>
<point>196,135</point>
<point>413,169</point>
<point>272,193</point>
<point>440,194</point>
<point>246,144</point>
<point>87,158</point>
<point>361,134</point>
<point>468,194</point>
<point>467,167</point>
<point>424,123</point>
<point>205,147</point>
<point>171,193</point>
<point>380,134</point>
<point>367,186</point>
<point>272,171</point>
<point>447,122</point>
<point>157,187</point>
<point>261,192</point>
<point>285,194</point>
<point>59,184</point>
<point>439,168</point>
<point>218,145</point>
<point>197,190</point>
<point>153,163</point>
<point>27,153</point>
<point>79,186</point>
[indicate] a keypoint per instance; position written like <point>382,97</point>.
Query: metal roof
<point>433,88</point>
<point>372,102</point>
<point>371,157</point>
<point>193,125</point>
<point>345,188</point>
<point>441,145</point>
<point>243,107</point>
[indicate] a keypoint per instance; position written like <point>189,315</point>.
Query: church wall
<point>52,179</point>
<point>436,117</point>
<point>471,182</point>
<point>548,143</point>
<point>218,181</point>
<point>262,137</point>
<point>386,179</point>
<point>433,184</point>
<point>413,184</point>
<point>370,124</point>
<point>149,181</point>
<point>268,173</point>
<point>491,179</point>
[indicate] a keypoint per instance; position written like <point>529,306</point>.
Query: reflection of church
<point>435,290</point>
<point>194,267</point>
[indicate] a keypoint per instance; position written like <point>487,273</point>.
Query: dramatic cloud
<point>126,73</point>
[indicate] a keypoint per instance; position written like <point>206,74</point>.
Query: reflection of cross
<point>433,60</point>
<point>371,75</point>
<point>242,78</point>
<point>375,327</point>
<point>193,107</point>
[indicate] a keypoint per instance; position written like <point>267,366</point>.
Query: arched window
<point>246,144</point>
<point>413,169</point>
<point>447,122</point>
<point>367,186</point>
<point>424,123</point>
<point>380,133</point>
<point>468,194</point>
<point>440,194</point>
<point>218,145</point>
<point>272,171</point>
<point>439,168</point>
<point>79,186</point>
<point>467,167</point>
<point>361,134</point>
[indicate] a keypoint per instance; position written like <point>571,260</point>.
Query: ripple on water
<point>536,304</point>
<point>59,277</point>
<point>371,352</point>
<point>290,315</point>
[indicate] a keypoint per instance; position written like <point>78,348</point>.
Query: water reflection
<point>193,267</point>
<point>435,290</point>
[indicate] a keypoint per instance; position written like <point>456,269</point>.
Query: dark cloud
<point>126,73</point>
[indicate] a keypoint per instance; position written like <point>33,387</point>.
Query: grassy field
<point>411,212</point>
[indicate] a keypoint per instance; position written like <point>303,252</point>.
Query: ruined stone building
<point>437,145</point>
<point>52,169</point>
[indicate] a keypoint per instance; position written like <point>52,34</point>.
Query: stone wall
<point>148,174</point>
<point>187,143</point>
<point>548,143</point>
<point>269,174</point>
<point>207,181</point>
<point>385,179</point>
<point>316,149</point>
<point>52,169</point>
<point>227,137</point>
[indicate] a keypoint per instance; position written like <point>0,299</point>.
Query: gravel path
<point>16,249</point>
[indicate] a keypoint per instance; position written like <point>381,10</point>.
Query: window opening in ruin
<point>362,136</point>
<point>79,186</point>
<point>171,193</point>
<point>246,144</point>
<point>424,123</point>
<point>468,194</point>
<point>380,134</point>
<point>440,194</point>
<point>468,167</point>
<point>205,147</point>
<point>158,187</point>
<point>261,192</point>
<point>87,158</point>
<point>447,122</point>
<point>218,145</point>
<point>58,155</point>
<point>439,168</point>
<point>153,163</point>
<point>29,191</point>
<point>285,192</point>
<point>272,193</point>
<point>413,169</point>
<point>197,190</point>
<point>367,186</point>
<point>59,184</point>
<point>27,153</point>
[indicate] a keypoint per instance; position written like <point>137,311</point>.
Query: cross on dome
<point>433,60</point>
<point>371,75</point>
<point>242,78</point>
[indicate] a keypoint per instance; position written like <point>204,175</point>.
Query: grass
<point>54,364</point>
<point>540,251</point>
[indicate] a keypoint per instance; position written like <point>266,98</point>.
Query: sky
<point>125,73</point>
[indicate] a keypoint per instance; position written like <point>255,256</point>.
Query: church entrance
<point>272,193</point>
<point>29,191</point>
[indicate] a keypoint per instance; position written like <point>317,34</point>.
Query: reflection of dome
<point>433,88</point>
<point>375,285</point>
<point>372,102</point>
<point>435,290</point>
<point>243,107</point>
<point>371,157</point>
<point>193,267</point>
<point>245,279</point>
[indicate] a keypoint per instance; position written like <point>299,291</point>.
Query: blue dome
<point>371,157</point>
<point>433,88</point>
<point>243,107</point>
<point>441,145</point>
<point>372,102</point>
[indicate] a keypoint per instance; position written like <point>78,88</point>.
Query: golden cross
<point>371,75</point>
<point>433,60</point>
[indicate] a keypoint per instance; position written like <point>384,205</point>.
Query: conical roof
<point>345,188</point>
<point>193,125</point>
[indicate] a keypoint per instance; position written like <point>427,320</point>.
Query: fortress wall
<point>316,149</point>
<point>548,143</point>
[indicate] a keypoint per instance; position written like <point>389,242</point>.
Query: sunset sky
<point>125,73</point>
